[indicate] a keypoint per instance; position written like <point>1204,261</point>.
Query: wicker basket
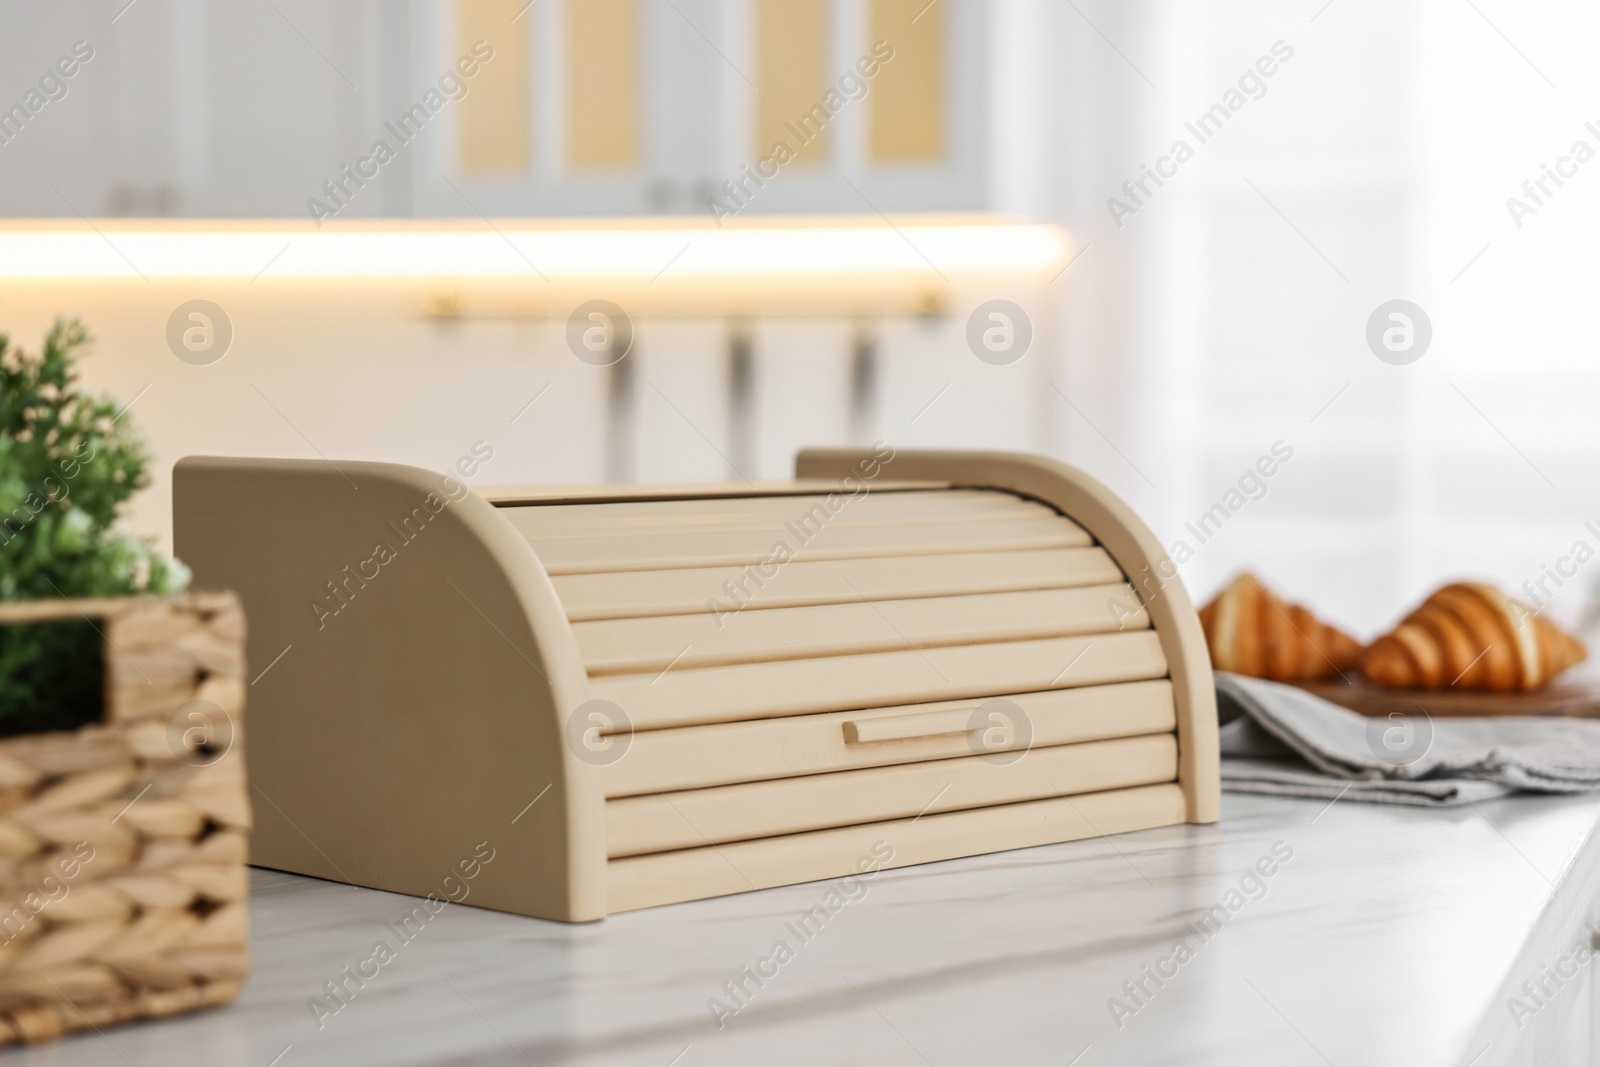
<point>123,843</point>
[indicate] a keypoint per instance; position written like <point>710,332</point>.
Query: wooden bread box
<point>638,695</point>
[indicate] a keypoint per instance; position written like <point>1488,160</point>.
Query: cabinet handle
<point>901,727</point>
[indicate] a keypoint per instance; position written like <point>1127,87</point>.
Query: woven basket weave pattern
<point>123,844</point>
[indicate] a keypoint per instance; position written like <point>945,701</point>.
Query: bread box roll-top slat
<point>639,695</point>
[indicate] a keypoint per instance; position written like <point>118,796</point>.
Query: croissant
<point>1471,636</point>
<point>1251,631</point>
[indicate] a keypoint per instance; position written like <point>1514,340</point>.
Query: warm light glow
<point>516,249</point>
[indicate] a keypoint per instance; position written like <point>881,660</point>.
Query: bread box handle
<point>917,724</point>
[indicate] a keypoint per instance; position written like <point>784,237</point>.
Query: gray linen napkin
<point>1283,740</point>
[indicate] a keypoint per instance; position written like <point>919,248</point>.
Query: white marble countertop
<point>1390,936</point>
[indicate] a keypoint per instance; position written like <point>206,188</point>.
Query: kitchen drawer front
<point>693,757</point>
<point>738,867</point>
<point>663,821</point>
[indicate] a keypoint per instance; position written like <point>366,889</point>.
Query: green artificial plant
<point>68,461</point>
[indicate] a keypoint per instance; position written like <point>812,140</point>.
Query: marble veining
<point>1387,936</point>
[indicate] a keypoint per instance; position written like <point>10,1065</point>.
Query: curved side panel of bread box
<point>412,673</point>
<point>1136,550</point>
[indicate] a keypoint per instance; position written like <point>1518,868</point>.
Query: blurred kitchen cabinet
<point>194,108</point>
<point>298,108</point>
<point>714,107</point>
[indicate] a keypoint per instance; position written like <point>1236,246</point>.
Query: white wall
<point>360,372</point>
<point>1207,328</point>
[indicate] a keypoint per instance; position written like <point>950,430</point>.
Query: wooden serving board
<point>1575,695</point>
